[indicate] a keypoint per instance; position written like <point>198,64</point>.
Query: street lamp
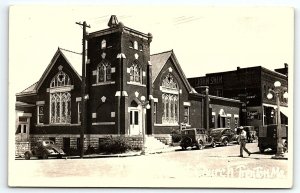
<point>145,105</point>
<point>278,91</point>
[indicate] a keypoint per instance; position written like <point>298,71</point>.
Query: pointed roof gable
<point>28,91</point>
<point>73,59</point>
<point>160,59</point>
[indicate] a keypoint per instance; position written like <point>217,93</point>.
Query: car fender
<point>224,137</point>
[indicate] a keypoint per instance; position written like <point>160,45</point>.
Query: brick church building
<point>121,78</point>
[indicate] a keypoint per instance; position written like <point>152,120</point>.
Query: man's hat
<point>241,127</point>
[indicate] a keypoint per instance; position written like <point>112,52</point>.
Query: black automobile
<point>44,149</point>
<point>222,136</point>
<point>195,137</point>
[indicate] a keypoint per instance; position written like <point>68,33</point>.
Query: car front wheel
<point>213,144</point>
<point>225,142</point>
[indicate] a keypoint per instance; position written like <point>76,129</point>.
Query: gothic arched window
<point>103,44</point>
<point>60,100</point>
<point>60,79</point>
<point>136,73</point>
<point>170,99</point>
<point>135,45</point>
<point>103,72</point>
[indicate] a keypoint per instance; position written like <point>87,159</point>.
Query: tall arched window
<point>135,45</point>
<point>170,98</point>
<point>60,99</point>
<point>136,73</point>
<point>103,44</point>
<point>103,72</point>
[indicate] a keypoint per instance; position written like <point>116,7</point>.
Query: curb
<point>158,151</point>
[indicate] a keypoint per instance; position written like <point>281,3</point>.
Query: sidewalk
<point>127,154</point>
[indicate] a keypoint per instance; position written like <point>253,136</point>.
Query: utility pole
<point>83,88</point>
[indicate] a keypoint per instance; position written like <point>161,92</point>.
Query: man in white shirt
<point>242,138</point>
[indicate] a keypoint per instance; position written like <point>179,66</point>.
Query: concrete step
<point>152,144</point>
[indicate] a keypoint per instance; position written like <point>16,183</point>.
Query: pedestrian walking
<point>242,138</point>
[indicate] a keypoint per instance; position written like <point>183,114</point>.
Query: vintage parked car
<point>195,137</point>
<point>223,136</point>
<point>44,149</point>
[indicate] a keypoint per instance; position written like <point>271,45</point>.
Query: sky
<point>204,39</point>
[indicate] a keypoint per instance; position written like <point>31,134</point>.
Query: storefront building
<point>250,86</point>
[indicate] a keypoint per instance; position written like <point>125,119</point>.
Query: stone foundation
<point>21,148</point>
<point>90,140</point>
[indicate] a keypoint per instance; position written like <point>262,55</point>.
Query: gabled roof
<point>70,56</point>
<point>74,59</point>
<point>160,59</point>
<point>29,90</point>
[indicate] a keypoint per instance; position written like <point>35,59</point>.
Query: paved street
<point>191,165</point>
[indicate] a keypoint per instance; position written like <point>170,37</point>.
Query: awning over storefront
<point>283,110</point>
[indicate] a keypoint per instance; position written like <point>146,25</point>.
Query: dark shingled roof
<point>158,61</point>
<point>30,89</point>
